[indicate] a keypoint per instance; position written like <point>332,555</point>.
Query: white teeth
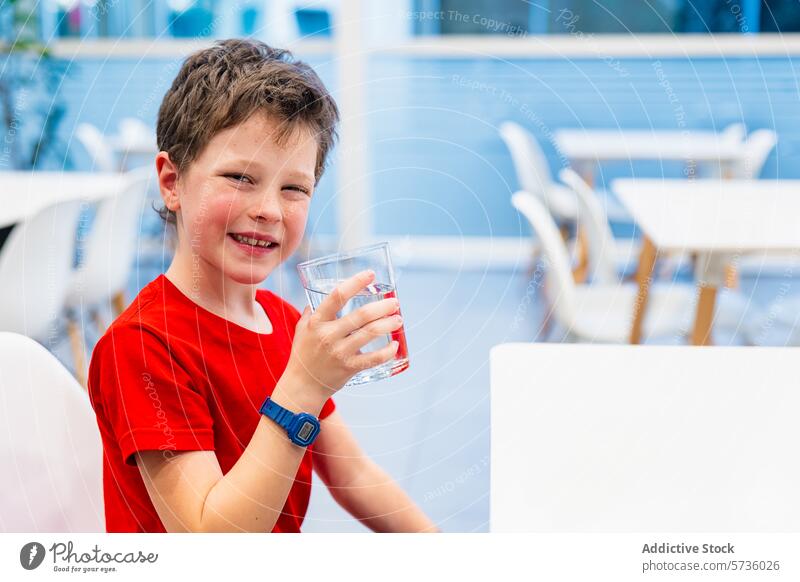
<point>252,241</point>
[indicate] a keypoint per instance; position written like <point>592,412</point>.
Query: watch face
<point>305,431</point>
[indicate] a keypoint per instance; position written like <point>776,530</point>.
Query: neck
<point>208,287</point>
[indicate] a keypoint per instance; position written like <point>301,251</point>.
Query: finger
<point>364,315</point>
<point>376,358</point>
<point>343,292</point>
<point>362,336</point>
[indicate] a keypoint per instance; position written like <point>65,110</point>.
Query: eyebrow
<point>301,175</point>
<point>257,166</point>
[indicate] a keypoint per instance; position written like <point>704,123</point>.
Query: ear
<point>167,181</point>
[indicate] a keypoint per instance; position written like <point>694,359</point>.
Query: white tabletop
<point>715,215</point>
<point>588,145</point>
<point>22,194</point>
<point>644,438</point>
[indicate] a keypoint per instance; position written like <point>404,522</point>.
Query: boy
<point>193,382</point>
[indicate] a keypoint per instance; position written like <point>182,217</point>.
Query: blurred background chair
<point>757,148</point>
<point>109,255</point>
<point>98,148</point>
<point>734,133</point>
<point>609,259</point>
<point>534,176</point>
<point>603,311</point>
<point>35,267</point>
<point>50,449</point>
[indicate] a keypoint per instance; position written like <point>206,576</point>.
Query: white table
<point>596,438</point>
<point>587,147</point>
<point>23,194</point>
<point>717,219</point>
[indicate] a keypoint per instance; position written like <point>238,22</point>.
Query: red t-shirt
<point>170,375</point>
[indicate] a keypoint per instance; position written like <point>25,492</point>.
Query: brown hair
<point>222,86</point>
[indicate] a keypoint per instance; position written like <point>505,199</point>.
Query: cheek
<point>295,216</point>
<point>217,213</point>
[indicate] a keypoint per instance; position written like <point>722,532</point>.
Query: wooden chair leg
<point>78,350</point>
<point>644,278</point>
<point>581,270</point>
<point>731,276</point>
<point>701,335</point>
<point>98,321</point>
<point>118,302</point>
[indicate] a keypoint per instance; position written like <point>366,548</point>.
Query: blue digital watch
<point>302,428</point>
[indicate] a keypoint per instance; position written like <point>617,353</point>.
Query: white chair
<point>604,312</point>
<point>607,256</point>
<point>533,173</point>
<point>135,132</point>
<point>96,145</point>
<point>50,449</point>
<point>35,268</point>
<point>734,133</point>
<point>110,252</point>
<point>757,148</point>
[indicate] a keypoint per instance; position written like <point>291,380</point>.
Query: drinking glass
<point>321,276</point>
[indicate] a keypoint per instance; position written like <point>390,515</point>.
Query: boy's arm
<point>191,494</point>
<point>361,487</point>
<point>189,491</point>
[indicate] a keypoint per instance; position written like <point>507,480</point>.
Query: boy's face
<point>243,184</point>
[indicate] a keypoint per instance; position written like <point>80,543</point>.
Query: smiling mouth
<point>253,242</point>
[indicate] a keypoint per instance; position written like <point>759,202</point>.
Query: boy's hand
<point>325,352</point>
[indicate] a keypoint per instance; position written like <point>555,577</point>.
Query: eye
<point>297,188</point>
<point>239,178</point>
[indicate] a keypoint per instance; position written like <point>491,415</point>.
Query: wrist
<point>298,395</point>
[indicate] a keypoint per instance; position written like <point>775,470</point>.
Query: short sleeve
<point>327,408</point>
<point>147,400</point>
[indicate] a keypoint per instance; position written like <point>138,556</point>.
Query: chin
<point>248,276</point>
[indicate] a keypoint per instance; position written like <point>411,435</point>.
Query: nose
<point>266,207</point>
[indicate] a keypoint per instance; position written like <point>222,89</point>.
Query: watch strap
<point>278,413</point>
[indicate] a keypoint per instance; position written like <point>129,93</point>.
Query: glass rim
<point>344,255</point>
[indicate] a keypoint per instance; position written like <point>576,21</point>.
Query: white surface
<point>644,438</point>
<point>713,215</point>
<point>50,450</point>
<point>588,145</point>
<point>26,193</point>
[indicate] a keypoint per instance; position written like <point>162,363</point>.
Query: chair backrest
<point>561,285</point>
<point>96,145</point>
<point>530,164</point>
<point>734,133</point>
<point>50,448</point>
<point>111,245</point>
<point>757,148</point>
<point>134,131</point>
<point>593,219</point>
<point>35,269</point>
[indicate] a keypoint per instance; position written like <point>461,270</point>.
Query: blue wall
<point>438,165</point>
